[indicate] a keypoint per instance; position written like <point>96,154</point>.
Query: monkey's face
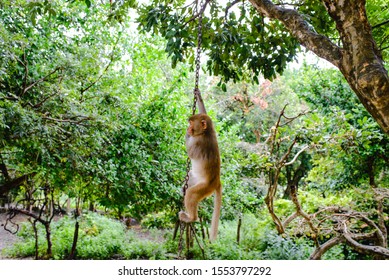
<point>193,128</point>
<point>190,129</point>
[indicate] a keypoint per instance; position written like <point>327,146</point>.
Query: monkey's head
<point>199,124</point>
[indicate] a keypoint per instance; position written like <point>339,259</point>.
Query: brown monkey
<point>204,177</point>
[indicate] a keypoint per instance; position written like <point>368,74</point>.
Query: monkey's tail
<point>216,213</point>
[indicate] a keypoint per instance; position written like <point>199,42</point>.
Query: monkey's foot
<point>184,217</point>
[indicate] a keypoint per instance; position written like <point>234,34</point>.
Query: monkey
<point>204,176</point>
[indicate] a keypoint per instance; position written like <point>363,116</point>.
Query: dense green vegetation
<point>92,123</point>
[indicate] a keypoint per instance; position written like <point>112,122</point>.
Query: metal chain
<point>198,54</point>
<point>180,241</point>
<point>196,93</point>
<point>196,90</point>
<point>199,42</point>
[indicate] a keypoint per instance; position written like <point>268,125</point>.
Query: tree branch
<point>296,156</point>
<point>380,24</point>
<point>7,186</point>
<point>290,219</point>
<point>286,155</point>
<point>199,13</point>
<point>229,6</point>
<point>104,71</point>
<point>300,211</point>
<point>374,250</point>
<point>322,249</point>
<point>39,104</point>
<point>39,81</point>
<point>29,214</point>
<point>83,118</point>
<point>300,29</point>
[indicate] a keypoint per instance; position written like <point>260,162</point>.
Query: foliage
<point>238,42</point>
<point>352,149</point>
<point>78,118</point>
<point>257,242</point>
<point>378,13</point>
<point>99,238</point>
<point>159,220</point>
<point>145,250</point>
<point>92,110</point>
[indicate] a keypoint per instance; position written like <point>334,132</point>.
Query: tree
<point>248,40</point>
<point>348,147</point>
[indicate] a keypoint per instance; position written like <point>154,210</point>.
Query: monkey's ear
<point>204,124</point>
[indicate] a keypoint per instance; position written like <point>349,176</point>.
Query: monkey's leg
<point>192,198</point>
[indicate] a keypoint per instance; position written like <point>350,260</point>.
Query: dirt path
<point>7,239</point>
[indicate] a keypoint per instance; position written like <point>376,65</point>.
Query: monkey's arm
<point>200,103</point>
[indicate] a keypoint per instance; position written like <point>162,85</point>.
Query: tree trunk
<point>36,239</point>
<point>48,239</point>
<point>75,240</point>
<point>358,58</point>
<point>91,207</point>
<point>68,206</point>
<point>238,228</point>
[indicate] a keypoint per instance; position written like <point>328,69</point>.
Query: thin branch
<point>296,156</point>
<point>380,24</point>
<point>384,40</point>
<point>39,81</point>
<point>274,129</point>
<point>69,120</point>
<point>286,155</point>
<point>39,104</point>
<point>29,214</point>
<point>290,219</point>
<point>230,6</point>
<point>290,119</point>
<point>195,16</point>
<point>104,71</point>
<point>380,236</point>
<point>25,65</point>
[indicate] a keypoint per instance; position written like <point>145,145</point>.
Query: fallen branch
<point>364,249</point>
<point>322,249</point>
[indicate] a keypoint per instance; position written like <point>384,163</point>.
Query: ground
<point>7,238</point>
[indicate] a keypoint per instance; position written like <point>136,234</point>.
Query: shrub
<point>99,238</point>
<point>159,220</point>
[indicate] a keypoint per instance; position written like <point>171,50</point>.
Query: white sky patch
<point>310,58</point>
